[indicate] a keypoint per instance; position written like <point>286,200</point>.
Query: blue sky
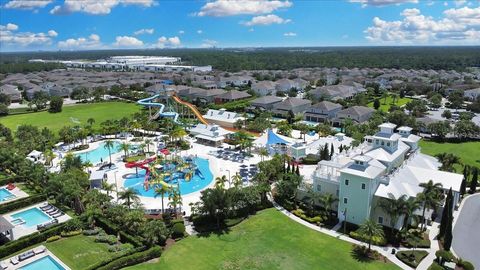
<point>104,24</point>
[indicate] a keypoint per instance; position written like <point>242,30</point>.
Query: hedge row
<point>111,228</point>
<point>29,240</point>
<point>21,203</point>
<point>114,258</point>
<point>13,179</point>
<point>133,259</point>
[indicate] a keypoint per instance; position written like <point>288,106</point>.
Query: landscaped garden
<point>72,115</point>
<point>268,240</point>
<point>385,104</point>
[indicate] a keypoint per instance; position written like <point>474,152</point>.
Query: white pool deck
<point>22,230</point>
<point>33,259</point>
<point>17,192</point>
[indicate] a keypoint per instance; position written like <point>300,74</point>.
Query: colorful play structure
<point>166,172</point>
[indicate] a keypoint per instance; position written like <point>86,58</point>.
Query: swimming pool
<point>5,195</point>
<point>195,184</point>
<point>100,153</point>
<point>32,217</point>
<point>44,263</point>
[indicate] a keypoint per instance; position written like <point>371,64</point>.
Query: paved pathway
<point>466,231</point>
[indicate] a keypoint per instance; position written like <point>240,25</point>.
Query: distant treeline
<point>448,58</point>
<point>26,67</point>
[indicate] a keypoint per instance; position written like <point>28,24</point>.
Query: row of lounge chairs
<point>52,211</point>
<point>24,256</point>
<point>47,224</point>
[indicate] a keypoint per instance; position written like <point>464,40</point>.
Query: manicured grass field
<point>469,152</point>
<point>268,240</point>
<point>79,252</point>
<point>70,114</point>
<point>385,106</point>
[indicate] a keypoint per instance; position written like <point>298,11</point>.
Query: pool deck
<point>35,258</point>
<point>17,192</point>
<point>21,230</point>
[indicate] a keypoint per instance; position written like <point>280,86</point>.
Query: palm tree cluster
<point>448,161</point>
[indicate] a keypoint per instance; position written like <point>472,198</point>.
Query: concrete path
<point>466,231</point>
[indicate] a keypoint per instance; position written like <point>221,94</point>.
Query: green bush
<point>301,214</point>
<point>120,248</point>
<point>21,203</point>
<point>376,240</point>
<point>109,239</point>
<point>53,238</point>
<point>92,232</point>
<point>13,179</point>
<point>71,233</point>
<point>29,240</point>
<point>444,256</point>
<point>178,230</point>
<point>73,224</point>
<point>111,228</point>
<point>310,160</point>
<point>435,266</point>
<point>411,258</point>
<point>114,257</point>
<point>466,265</point>
<point>133,259</point>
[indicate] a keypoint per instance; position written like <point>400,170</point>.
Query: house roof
<point>326,106</point>
<point>357,110</point>
<point>5,225</point>
<point>266,100</point>
<point>372,170</point>
<point>234,94</point>
<point>291,103</point>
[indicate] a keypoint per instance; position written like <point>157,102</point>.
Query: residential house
<point>284,85</point>
<point>472,94</point>
<point>208,96</point>
<point>11,91</point>
<point>295,105</point>
<point>232,95</point>
<point>264,88</point>
<point>322,112</point>
<point>358,114</point>
<point>336,92</point>
<point>222,117</point>
<point>264,103</point>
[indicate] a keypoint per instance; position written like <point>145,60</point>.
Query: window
<point>380,220</point>
<point>345,200</point>
<point>319,188</point>
<point>346,182</point>
<point>363,185</point>
<point>383,143</point>
<point>338,192</point>
<point>388,144</point>
<point>376,141</point>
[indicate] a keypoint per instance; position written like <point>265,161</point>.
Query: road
<point>466,233</point>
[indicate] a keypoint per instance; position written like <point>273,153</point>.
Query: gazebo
<point>6,228</point>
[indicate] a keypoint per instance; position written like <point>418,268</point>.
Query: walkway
<point>385,251</point>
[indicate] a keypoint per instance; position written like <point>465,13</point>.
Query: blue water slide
<point>148,102</point>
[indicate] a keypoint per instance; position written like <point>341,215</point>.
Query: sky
<point>30,25</point>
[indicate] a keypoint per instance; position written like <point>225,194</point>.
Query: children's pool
<point>198,182</point>
<point>32,217</point>
<point>5,195</point>
<point>43,264</point>
<point>100,153</point>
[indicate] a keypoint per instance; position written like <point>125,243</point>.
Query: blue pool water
<point>45,263</point>
<point>5,195</point>
<point>32,217</point>
<point>195,184</point>
<point>96,155</point>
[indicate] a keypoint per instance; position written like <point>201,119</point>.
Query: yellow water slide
<point>192,108</point>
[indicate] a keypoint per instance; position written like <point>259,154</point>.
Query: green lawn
<point>81,112</point>
<point>467,151</point>
<point>268,240</point>
<point>79,252</point>
<point>385,106</point>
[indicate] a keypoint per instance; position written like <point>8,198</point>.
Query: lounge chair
<point>46,207</point>
<point>39,250</point>
<point>26,255</point>
<point>58,214</point>
<point>54,209</point>
<point>14,260</point>
<point>3,265</point>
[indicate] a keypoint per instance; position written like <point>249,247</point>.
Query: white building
<point>223,117</point>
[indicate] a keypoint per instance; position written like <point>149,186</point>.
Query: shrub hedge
<point>378,241</point>
<point>435,266</point>
<point>115,257</point>
<point>21,203</point>
<point>411,258</point>
<point>14,179</point>
<point>133,259</point>
<point>178,230</point>
<point>53,238</point>
<point>301,214</point>
<point>29,240</point>
<point>111,228</point>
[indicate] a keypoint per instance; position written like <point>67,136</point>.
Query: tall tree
<point>161,191</point>
<point>430,197</point>
<point>474,181</point>
<point>129,195</point>
<point>109,144</point>
<point>371,229</point>
<point>446,214</point>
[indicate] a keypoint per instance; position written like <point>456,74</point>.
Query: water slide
<point>192,108</point>
<point>148,102</point>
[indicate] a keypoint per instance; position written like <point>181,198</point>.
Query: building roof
<point>234,94</point>
<point>222,115</point>
<point>291,103</point>
<point>371,170</point>
<point>387,125</point>
<point>266,100</point>
<point>326,106</point>
<point>5,225</point>
<point>209,130</point>
<point>357,110</point>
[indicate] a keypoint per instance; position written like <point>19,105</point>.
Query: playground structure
<point>164,172</point>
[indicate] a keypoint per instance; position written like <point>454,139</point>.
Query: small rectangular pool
<point>32,217</point>
<point>6,195</point>
<point>45,263</point>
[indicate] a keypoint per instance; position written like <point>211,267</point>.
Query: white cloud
<point>127,42</point>
<point>290,34</point>
<point>27,4</point>
<point>457,26</point>
<point>181,32</point>
<point>266,20</point>
<point>92,42</point>
<point>199,32</point>
<point>171,42</point>
<point>209,43</point>
<point>380,3</point>
<point>144,31</point>
<point>251,30</point>
<point>9,37</point>
<point>96,7</point>
<point>52,33</point>
<point>460,3</point>
<point>220,8</point>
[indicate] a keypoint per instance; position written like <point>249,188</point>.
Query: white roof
<point>208,138</point>
<point>384,155</point>
<point>411,138</point>
<point>405,128</point>
<point>209,130</point>
<point>372,170</point>
<point>262,140</point>
<point>419,169</point>
<point>222,115</point>
<point>35,153</point>
<point>95,175</point>
<point>313,147</point>
<point>387,125</point>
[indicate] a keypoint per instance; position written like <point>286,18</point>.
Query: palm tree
<point>161,191</point>
<point>393,207</point>
<point>109,144</point>
<point>108,187</point>
<point>129,195</point>
<point>371,229</point>
<point>410,206</point>
<point>263,152</point>
<point>312,198</point>
<point>327,200</point>
<point>430,197</point>
<point>148,142</point>
<point>237,180</point>
<point>124,146</point>
<point>448,160</point>
<point>175,198</point>
<point>220,181</point>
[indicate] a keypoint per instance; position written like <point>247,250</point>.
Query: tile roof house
<point>358,114</point>
<point>336,92</point>
<point>322,112</point>
<point>296,105</point>
<point>264,103</point>
<point>264,88</point>
<point>232,95</point>
<point>208,96</point>
<point>11,91</point>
